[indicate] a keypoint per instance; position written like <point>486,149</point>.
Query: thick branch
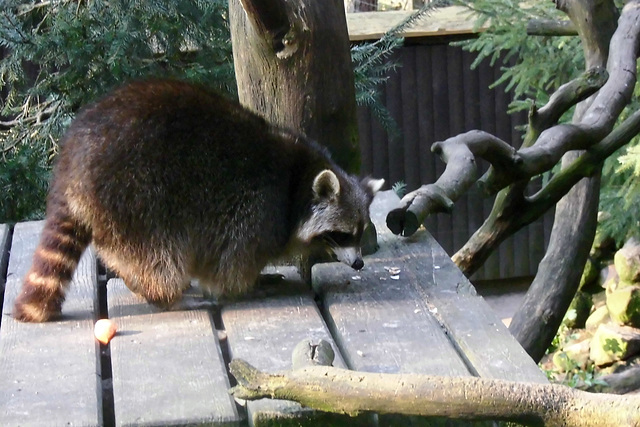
<point>617,383</point>
<point>512,210</point>
<point>459,153</point>
<point>544,145</point>
<point>588,163</point>
<point>269,18</point>
<point>343,391</point>
<point>45,110</point>
<point>567,95</point>
<point>600,117</point>
<point>546,27</point>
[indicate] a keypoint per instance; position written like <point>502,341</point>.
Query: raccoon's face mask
<point>339,214</point>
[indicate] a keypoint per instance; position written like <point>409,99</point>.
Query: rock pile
<point>602,328</point>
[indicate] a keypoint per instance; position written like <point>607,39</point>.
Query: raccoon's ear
<point>326,185</point>
<point>372,185</point>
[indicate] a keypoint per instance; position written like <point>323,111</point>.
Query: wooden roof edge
<point>451,20</point>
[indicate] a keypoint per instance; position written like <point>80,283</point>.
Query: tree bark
<point>343,391</point>
<point>538,318</point>
<point>293,66</point>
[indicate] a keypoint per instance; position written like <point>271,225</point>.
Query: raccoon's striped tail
<point>62,243</point>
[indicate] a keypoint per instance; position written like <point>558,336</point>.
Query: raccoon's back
<point>162,155</point>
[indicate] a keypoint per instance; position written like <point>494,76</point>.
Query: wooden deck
<point>409,310</point>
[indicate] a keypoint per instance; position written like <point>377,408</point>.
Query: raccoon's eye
<point>339,238</point>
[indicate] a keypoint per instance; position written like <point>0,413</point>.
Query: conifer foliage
<point>61,54</point>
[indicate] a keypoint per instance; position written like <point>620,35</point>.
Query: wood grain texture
<point>444,21</point>
<point>50,372</point>
<point>167,366</point>
<point>431,314</point>
<point>264,332</point>
<point>378,317</point>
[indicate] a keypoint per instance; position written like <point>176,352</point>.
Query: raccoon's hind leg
<point>62,242</point>
<point>157,278</point>
<point>235,276</point>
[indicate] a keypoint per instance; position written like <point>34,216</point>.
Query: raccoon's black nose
<point>358,264</point>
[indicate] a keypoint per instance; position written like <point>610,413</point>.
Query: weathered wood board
<point>480,336</point>
<point>50,372</point>
<point>427,309</point>
<point>381,324</point>
<point>264,332</point>
<point>443,21</point>
<point>167,366</point>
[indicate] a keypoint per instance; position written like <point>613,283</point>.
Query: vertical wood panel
<point>504,131</point>
<point>471,83</point>
<point>488,124</point>
<point>424,89</point>
<point>457,113</point>
<point>379,145</point>
<point>440,105</point>
<point>364,132</point>
<point>410,120</point>
<point>521,239</point>
<point>395,145</point>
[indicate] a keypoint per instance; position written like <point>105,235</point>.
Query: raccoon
<point>170,182</point>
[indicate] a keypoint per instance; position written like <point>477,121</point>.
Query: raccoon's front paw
<point>31,307</point>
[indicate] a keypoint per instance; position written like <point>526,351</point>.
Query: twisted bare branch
<point>545,143</point>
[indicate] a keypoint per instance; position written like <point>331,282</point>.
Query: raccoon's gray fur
<point>172,182</point>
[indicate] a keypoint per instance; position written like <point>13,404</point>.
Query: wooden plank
<point>521,243</point>
<point>50,372</point>
<point>491,266</point>
<point>427,279</point>
<point>423,105</point>
<point>506,249</point>
<point>264,332</point>
<point>379,143</point>
<point>395,145</point>
<point>410,112</point>
<point>167,366</point>
<point>424,77</point>
<point>470,80</point>
<point>457,113</point>
<point>5,244</point>
<point>481,337</point>
<point>378,317</point>
<point>443,21</point>
<point>364,134</point>
<point>382,324</point>
<point>441,119</point>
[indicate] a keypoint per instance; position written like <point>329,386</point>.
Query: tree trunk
<point>343,391</point>
<point>293,66</point>
<point>537,320</point>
